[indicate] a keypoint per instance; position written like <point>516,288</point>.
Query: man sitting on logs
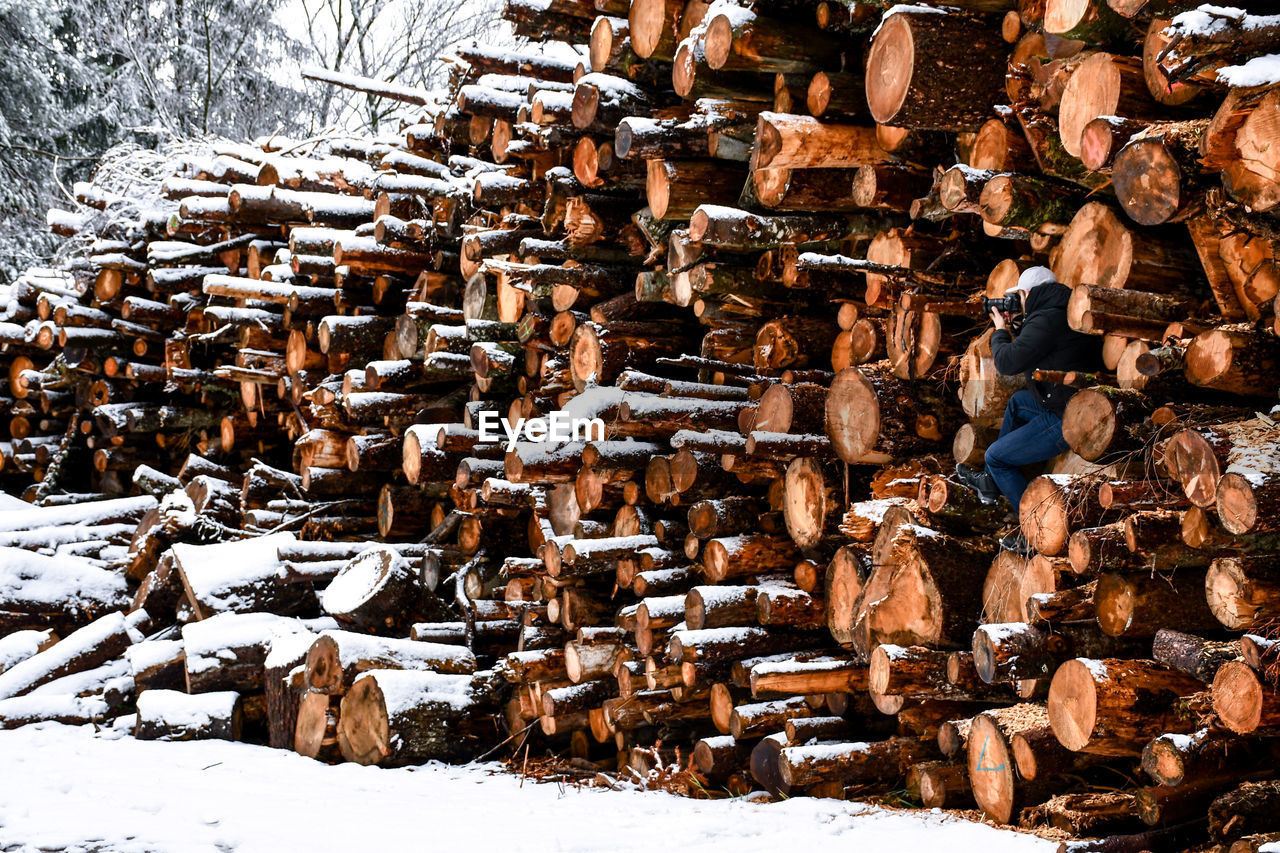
<point>1032,428</point>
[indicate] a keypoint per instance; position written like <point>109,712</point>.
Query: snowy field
<point>68,789</point>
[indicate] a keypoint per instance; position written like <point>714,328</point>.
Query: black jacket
<point>1046,342</point>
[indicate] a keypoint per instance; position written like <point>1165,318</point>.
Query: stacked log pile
<point>649,374</point>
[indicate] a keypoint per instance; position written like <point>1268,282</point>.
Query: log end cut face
<point>586,358</point>
<point>1062,16</point>
<point>411,457</point>
<point>1237,505</point>
<point>1227,590</point>
<point>1251,176</point>
<point>990,766</point>
<point>657,187</point>
<point>853,415</point>
<point>771,185</point>
<point>806,502</point>
<point>324,666</point>
<point>1148,182</point>
<point>1237,697</point>
<point>1073,704</point>
<point>1043,515</point>
<point>1190,460</point>
<point>923,329</point>
<point>1159,84</point>
<point>1209,357</point>
<point>1001,589</point>
<point>365,727</point>
<point>1166,762</point>
<point>983,391</point>
<point>647,21</point>
<point>1089,423</point>
<point>910,610</point>
<point>719,40</point>
<point>890,67</point>
<point>362,581</point>
<point>844,584</point>
<point>1097,248</point>
<point>1093,90</point>
<point>313,720</point>
<point>776,411</point>
<point>1117,601</point>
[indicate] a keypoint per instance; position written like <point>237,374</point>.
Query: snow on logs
<point>174,715</point>
<point>761,552</point>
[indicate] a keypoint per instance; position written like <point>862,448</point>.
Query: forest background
<point>84,79</point>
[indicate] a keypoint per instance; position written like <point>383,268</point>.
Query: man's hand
<point>997,319</point>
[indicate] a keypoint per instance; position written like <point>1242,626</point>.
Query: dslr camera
<point>1010,303</point>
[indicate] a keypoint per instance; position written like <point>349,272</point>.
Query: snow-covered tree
<point>199,67</point>
<point>391,40</point>
<point>79,76</point>
<point>53,121</point>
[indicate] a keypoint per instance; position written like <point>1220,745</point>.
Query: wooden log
<point>718,645</point>
<point>395,717</point>
<point>1175,759</point>
<point>21,645</point>
<point>1099,249</point>
<point>674,189</point>
<point>1066,605</point>
<point>336,657</point>
<point>1104,84</point>
<point>1156,173</point>
<point>943,784</point>
<point>377,592</point>
<point>1233,359</point>
<point>315,732</point>
<point>1088,813</point>
<point>1134,605</point>
<point>1236,143</point>
<point>809,507</point>
<point>1113,706</point>
<point>878,762</point>
<point>1054,505</point>
<point>996,785</point>
<point>1242,699</point>
<point>1020,650</point>
<point>1021,201</point>
<point>743,40</point>
<point>1192,655</point>
<point>255,585</point>
<point>917,671</point>
<point>1245,810</point>
<point>1243,502</point>
<point>924,592</point>
<point>173,715</point>
<point>859,420</point>
<point>730,228</point>
<point>740,556</point>
<point>796,678</point>
<point>935,73</point>
<point>756,718</point>
<point>955,504</point>
<point>1242,591</point>
<point>228,651</point>
<point>799,142</point>
<point>984,391</point>
<point>89,647</point>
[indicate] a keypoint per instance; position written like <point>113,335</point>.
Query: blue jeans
<point>1030,433</point>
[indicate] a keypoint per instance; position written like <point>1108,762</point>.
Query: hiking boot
<point>1014,541</point>
<point>980,481</point>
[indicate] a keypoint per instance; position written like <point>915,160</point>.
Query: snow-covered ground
<point>68,789</point>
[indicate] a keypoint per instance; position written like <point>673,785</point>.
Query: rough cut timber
<point>301,413</point>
